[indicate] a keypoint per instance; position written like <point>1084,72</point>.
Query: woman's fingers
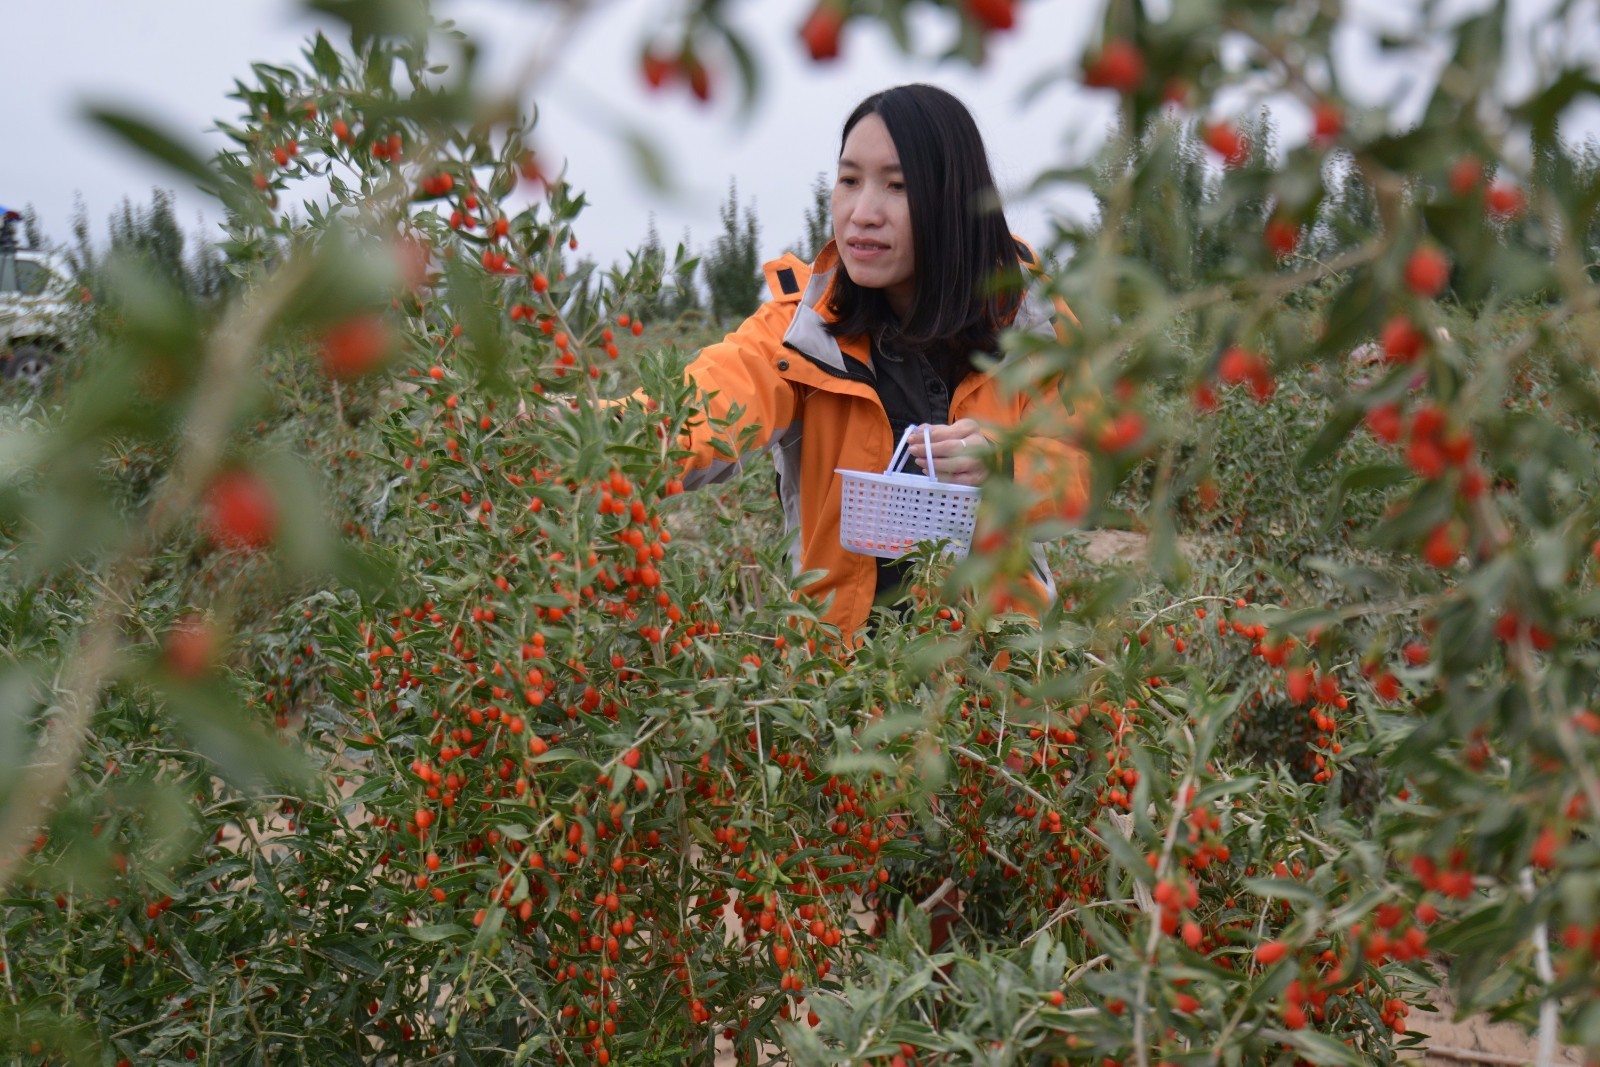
<point>958,449</point>
<point>962,438</point>
<point>955,439</point>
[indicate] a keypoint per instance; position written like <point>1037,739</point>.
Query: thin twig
<point>1549,1010</point>
<point>1153,941</point>
<point>962,750</point>
<point>1304,836</point>
<point>1084,967</point>
<point>1182,604</point>
<point>937,895</point>
<point>1067,910</point>
<point>1472,1055</point>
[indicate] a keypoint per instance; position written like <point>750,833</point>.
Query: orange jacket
<point>785,375</point>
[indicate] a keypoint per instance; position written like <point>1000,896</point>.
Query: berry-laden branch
<point>1141,1005</point>
<point>96,659</point>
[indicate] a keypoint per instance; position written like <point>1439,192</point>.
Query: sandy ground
<point>1477,1040</point>
<point>1113,546</point>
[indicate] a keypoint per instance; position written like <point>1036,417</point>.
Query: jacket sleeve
<point>740,387</point>
<point>1050,463</point>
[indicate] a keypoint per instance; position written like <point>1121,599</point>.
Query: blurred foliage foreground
<point>371,692</point>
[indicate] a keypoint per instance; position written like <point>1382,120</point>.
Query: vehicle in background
<point>35,304</point>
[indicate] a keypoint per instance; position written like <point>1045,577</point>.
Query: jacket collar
<point>808,330</point>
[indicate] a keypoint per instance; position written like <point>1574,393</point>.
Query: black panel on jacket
<point>913,393</point>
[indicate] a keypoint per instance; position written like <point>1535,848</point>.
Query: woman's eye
<point>848,183</point>
<point>898,187</point>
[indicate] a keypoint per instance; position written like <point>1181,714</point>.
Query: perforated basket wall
<point>884,515</point>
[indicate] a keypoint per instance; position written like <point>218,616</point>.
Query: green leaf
<point>1283,889</point>
<point>371,789</point>
<point>648,162</point>
<point>158,145</point>
<point>1493,927</point>
<point>378,18</point>
<point>1353,317</point>
<point>1326,444</point>
<point>1377,476</point>
<point>1320,1048</point>
<point>493,920</point>
<point>860,763</point>
<point>745,61</point>
<point>1217,790</point>
<point>350,956</point>
<point>19,702</point>
<point>439,932</point>
<point>225,732</point>
<point>1543,110</point>
<point>324,58</point>
<point>1122,850</point>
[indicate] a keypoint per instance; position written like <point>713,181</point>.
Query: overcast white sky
<point>176,60</point>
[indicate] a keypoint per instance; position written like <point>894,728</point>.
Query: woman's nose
<point>867,208</point>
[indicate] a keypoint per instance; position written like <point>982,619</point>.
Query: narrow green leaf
<point>1380,476</point>
<point>378,18</point>
<point>157,144</point>
<point>350,956</point>
<point>438,932</point>
<point>1326,444</point>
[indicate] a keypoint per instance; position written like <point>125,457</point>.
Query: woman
<point>877,335</point>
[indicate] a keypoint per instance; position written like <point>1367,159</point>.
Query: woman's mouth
<point>866,249</point>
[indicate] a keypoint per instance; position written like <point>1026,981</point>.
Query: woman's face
<point>871,215</point>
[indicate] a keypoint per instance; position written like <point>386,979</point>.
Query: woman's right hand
<point>959,451</point>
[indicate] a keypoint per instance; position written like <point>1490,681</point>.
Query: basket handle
<point>900,451</point>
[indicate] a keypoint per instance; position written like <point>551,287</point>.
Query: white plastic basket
<point>884,515</point>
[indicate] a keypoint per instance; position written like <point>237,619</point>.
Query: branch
<point>1549,1010</point>
<point>1472,1055</point>
<point>937,895</point>
<point>1153,941</point>
<point>1067,910</point>
<point>94,662</point>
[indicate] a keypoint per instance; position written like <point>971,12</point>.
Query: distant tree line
<point>1179,225</point>
<point>148,234</point>
<point>724,283</point>
<point>1183,226</point>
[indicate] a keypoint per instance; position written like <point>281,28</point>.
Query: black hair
<point>965,263</point>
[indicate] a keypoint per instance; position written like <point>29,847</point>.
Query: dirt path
<point>1113,546</point>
